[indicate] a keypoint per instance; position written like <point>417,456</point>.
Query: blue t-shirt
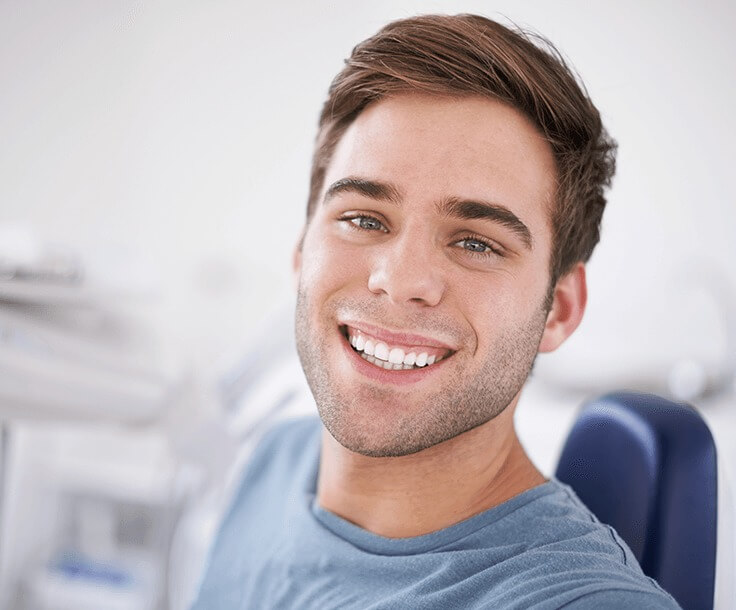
<point>277,548</point>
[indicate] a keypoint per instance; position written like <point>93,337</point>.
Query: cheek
<point>329,264</point>
<point>486,297</point>
<point>498,304</point>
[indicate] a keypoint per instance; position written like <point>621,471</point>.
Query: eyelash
<point>492,250</point>
<point>350,218</point>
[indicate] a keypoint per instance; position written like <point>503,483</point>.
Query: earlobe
<point>568,305</point>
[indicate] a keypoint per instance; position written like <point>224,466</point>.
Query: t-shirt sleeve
<point>619,599</point>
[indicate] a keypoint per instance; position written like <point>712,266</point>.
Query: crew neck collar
<point>381,545</point>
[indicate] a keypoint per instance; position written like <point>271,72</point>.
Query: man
<point>457,191</point>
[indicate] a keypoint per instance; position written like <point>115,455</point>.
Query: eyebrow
<point>483,210</point>
<point>452,207</point>
<point>381,191</point>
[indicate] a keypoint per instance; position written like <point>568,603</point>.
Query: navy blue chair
<point>647,466</point>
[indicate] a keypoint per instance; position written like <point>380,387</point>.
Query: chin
<point>394,434</point>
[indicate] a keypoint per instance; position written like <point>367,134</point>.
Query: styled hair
<point>464,55</point>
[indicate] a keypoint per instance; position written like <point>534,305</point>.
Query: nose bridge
<point>407,269</point>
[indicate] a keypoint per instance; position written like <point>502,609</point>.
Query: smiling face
<point>423,273</point>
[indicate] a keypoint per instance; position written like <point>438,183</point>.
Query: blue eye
<point>479,248</point>
<point>367,223</point>
<point>474,245</point>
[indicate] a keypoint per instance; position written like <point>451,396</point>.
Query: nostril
<point>408,283</point>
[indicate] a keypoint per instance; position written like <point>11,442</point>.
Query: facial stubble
<point>476,395</point>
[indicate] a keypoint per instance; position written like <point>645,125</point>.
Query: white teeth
<point>396,356</point>
<point>381,351</point>
<point>378,353</point>
<point>391,366</point>
<point>381,363</point>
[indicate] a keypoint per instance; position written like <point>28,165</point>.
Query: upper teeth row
<point>395,356</point>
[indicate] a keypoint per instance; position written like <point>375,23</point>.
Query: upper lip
<point>397,338</point>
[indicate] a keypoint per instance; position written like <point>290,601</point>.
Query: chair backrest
<point>647,467</point>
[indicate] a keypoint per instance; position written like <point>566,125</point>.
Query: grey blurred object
<point>23,257</point>
<point>61,362</point>
<point>83,356</point>
<point>68,347</point>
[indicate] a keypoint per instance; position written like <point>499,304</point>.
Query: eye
<point>474,245</point>
<point>479,247</point>
<point>365,223</point>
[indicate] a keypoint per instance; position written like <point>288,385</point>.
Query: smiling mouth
<point>393,357</point>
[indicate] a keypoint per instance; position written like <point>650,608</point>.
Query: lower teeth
<point>388,365</point>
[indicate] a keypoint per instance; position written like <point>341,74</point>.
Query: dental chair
<point>647,466</point>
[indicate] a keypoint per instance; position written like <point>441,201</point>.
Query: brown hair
<point>472,55</point>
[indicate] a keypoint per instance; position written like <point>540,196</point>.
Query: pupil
<point>475,246</point>
<point>368,223</point>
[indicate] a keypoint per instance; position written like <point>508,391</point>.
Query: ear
<point>296,259</point>
<point>568,305</point>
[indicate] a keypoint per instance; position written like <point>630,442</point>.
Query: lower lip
<point>403,377</point>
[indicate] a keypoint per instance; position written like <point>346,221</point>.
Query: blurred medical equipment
<point>648,467</point>
<point>105,436</point>
<point>68,349</point>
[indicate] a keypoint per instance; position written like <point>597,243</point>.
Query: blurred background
<point>153,179</point>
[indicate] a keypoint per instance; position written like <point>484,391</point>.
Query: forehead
<point>432,148</point>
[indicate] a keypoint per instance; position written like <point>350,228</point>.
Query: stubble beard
<point>475,396</point>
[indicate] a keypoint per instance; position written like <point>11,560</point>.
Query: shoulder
<point>288,436</point>
<point>282,450</point>
<point>285,441</point>
<point>280,467</point>
<point>558,521</point>
<point>558,555</point>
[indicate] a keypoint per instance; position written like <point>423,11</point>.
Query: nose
<point>407,273</point>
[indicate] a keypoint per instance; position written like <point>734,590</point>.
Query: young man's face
<point>431,243</point>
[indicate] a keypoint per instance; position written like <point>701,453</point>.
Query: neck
<point>423,492</point>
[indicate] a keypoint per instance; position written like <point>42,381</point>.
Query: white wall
<point>175,137</point>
